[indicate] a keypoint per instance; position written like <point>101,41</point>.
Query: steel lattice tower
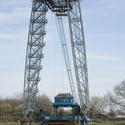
<point>35,44</point>
<point>79,53</point>
<point>34,54</point>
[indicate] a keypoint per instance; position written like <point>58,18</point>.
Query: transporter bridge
<point>70,10</point>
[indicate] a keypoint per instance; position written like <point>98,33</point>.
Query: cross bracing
<point>62,8</point>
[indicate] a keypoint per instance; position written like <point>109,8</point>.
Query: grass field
<point>15,123</point>
<point>109,123</point>
<point>93,123</point>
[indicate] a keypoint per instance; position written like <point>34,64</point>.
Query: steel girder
<point>79,53</point>
<point>34,55</point>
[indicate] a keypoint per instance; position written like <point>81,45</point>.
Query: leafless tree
<point>98,105</point>
<point>118,96</point>
<point>44,103</point>
<point>14,106</point>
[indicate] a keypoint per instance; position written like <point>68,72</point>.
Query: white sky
<point>104,25</point>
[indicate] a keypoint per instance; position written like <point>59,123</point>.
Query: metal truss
<point>79,52</point>
<point>34,55</point>
<point>36,43</point>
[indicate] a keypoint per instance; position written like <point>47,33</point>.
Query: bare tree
<point>14,106</point>
<point>45,104</point>
<point>112,108</point>
<point>118,96</point>
<point>98,105</point>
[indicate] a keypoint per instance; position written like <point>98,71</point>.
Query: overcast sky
<point>104,25</point>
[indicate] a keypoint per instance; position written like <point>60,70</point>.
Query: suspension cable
<point>61,32</point>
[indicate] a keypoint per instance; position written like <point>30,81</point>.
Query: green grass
<point>99,122</point>
<point>8,123</point>
<point>109,123</point>
<point>14,123</point>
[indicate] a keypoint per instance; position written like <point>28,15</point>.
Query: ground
<point>13,123</point>
<point>109,123</point>
<point>93,123</point>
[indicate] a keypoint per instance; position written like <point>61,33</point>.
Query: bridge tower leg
<point>79,52</point>
<point>34,54</point>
